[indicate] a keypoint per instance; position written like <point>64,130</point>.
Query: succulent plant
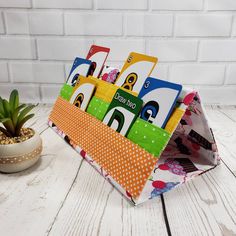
<point>13,115</point>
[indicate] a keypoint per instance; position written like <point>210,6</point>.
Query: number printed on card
<point>159,99</point>
<point>135,70</point>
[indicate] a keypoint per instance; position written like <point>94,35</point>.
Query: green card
<point>123,111</point>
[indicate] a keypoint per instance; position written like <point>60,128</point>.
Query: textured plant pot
<point>20,156</point>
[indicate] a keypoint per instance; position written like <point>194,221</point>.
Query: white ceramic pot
<point>20,156</point>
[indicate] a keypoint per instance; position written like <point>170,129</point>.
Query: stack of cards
<point>124,123</point>
<point>133,95</point>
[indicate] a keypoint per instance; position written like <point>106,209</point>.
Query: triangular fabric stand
<point>189,151</point>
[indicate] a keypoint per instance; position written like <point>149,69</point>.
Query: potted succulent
<point>20,147</point>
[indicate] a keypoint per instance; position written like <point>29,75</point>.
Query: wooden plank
<point>94,207</point>
<point>39,121</point>
<point>205,205</point>
<point>224,130</point>
<point>59,196</point>
<point>229,111</point>
<point>31,199</point>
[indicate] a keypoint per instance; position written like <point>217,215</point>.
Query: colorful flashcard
<point>83,92</point>
<point>98,56</point>
<point>123,111</point>
<point>135,70</point>
<point>109,74</point>
<point>159,98</point>
<point>80,67</point>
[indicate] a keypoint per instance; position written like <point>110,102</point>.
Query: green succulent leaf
<point>14,99</point>
<point>8,124</point>
<point>1,107</point>
<point>16,113</point>
<point>3,120</point>
<point>7,108</point>
<point>24,112</point>
<point>12,115</point>
<point>21,123</point>
<point>5,132</point>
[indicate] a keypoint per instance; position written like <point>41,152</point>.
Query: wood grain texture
<point>204,206</point>
<point>30,200</point>
<point>64,195</point>
<point>39,121</point>
<point>94,207</point>
<point>209,200</point>
<point>223,121</point>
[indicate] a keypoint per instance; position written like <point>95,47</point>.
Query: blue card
<point>159,98</point>
<point>80,67</point>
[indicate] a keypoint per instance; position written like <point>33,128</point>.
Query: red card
<point>98,56</point>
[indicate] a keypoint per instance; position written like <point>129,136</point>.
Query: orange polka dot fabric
<point>123,160</point>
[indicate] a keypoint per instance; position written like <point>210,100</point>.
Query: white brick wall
<point>2,30</point>
<point>173,50</point>
<point>3,72</point>
<point>120,48</point>
<point>17,48</point>
<point>218,50</point>
<point>193,39</point>
<point>93,24</point>
<point>62,4</point>
<point>230,76</point>
<point>62,48</point>
<point>16,3</point>
<point>203,25</point>
<point>221,5</point>
<point>19,22</point>
<point>149,25</point>
<point>200,74</point>
<point>122,4</point>
<point>191,5</point>
<point>39,72</point>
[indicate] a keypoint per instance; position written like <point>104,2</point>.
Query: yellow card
<point>135,71</point>
<point>83,92</point>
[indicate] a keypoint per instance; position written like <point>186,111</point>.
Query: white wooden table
<point>64,195</point>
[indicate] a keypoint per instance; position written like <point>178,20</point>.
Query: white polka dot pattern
<point>125,161</point>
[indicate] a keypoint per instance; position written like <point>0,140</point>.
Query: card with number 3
<point>159,98</point>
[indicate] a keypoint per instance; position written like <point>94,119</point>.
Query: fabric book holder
<point>184,149</point>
